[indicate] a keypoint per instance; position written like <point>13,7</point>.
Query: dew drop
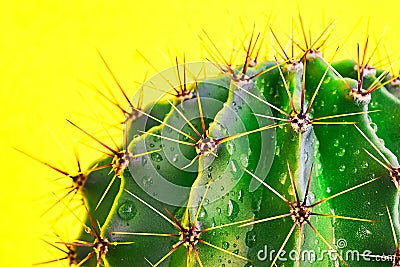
<point>278,151</point>
<point>336,142</point>
<point>175,158</point>
<point>230,148</point>
<point>147,181</point>
<point>328,189</point>
<point>219,210</point>
<point>283,177</point>
<point>234,165</point>
<point>156,157</point>
<point>225,245</point>
<point>244,160</point>
<point>341,152</point>
<point>251,238</point>
<point>127,210</point>
<point>232,209</point>
<point>374,126</point>
<point>342,168</point>
<point>364,164</point>
<point>144,161</point>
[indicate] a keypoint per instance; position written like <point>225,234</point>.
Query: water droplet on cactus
<point>341,152</point>
<point>230,147</point>
<point>127,210</point>
<point>232,209</point>
<point>203,213</point>
<point>222,188</point>
<point>156,157</point>
<point>277,150</point>
<point>244,160</point>
<point>364,164</point>
<point>234,166</point>
<point>354,170</point>
<point>144,161</point>
<point>374,126</point>
<point>251,238</point>
<point>175,158</point>
<point>328,189</point>
<point>147,181</point>
<point>336,142</point>
<point>225,245</point>
<point>342,168</point>
<point>219,210</point>
<point>283,177</point>
<point>240,195</point>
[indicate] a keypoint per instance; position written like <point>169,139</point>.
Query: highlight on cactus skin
<point>289,160</point>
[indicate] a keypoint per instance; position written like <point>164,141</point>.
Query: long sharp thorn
<point>167,138</point>
<point>283,244</point>
<point>342,217</point>
<point>115,78</point>
<point>326,242</point>
<point>227,225</point>
<point>345,115</point>
<point>106,191</point>
<point>286,88</point>
<point>94,138</point>
<point>43,162</point>
<point>293,184</point>
<point>303,31</point>
<point>202,201</point>
<point>279,44</point>
<point>228,138</point>
<point>155,69</point>
<point>393,230</point>
<point>377,160</point>
<point>267,186</point>
<point>203,125</point>
<point>303,88</point>
<point>373,145</point>
<point>266,219</point>
<point>248,52</point>
<point>165,256</point>
<point>224,250</point>
<point>186,119</point>
<point>270,117</point>
<point>344,191</point>
<point>196,253</point>
<point>320,82</point>
<point>89,256</point>
<point>151,207</point>
<point>267,103</point>
<point>191,162</point>
<point>178,225</point>
<point>308,185</point>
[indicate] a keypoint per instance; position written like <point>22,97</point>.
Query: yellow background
<point>48,57</point>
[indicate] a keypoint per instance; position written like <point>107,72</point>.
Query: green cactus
<point>274,163</point>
